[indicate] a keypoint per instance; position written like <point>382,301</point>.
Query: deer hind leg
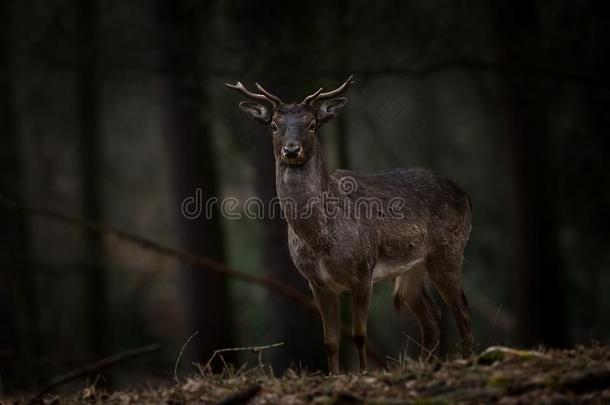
<point>410,290</point>
<point>446,276</point>
<point>328,305</point>
<point>361,299</point>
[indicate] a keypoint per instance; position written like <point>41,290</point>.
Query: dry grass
<point>498,375</point>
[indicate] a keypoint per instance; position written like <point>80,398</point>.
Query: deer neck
<point>302,190</point>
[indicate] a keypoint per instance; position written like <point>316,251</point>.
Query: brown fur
<point>349,252</point>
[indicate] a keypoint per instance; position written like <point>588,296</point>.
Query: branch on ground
<point>93,368</point>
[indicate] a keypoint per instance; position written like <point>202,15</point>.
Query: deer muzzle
<point>291,150</point>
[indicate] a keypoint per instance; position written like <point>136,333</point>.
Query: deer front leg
<point>361,298</point>
<point>328,305</point>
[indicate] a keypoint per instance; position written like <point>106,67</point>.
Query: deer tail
<point>408,286</point>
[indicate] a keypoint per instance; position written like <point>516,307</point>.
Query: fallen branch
<point>184,256</point>
<point>94,367</point>
<point>254,349</point>
<point>496,353</point>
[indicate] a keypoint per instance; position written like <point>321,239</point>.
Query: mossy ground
<point>506,376</point>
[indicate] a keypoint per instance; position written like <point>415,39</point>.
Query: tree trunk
<point>19,320</point>
<point>342,51</point>
<point>206,295</point>
<point>536,269</point>
<point>269,29</point>
<point>89,102</point>
<point>592,306</point>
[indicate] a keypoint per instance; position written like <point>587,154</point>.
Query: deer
<point>411,228</point>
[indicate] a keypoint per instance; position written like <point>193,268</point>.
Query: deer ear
<point>257,112</point>
<point>328,109</point>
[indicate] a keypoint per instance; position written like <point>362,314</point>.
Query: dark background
<point>115,112</point>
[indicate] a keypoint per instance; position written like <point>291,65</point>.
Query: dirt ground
<point>498,375</point>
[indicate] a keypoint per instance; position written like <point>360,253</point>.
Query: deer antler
<point>276,99</point>
<point>318,95</point>
<point>265,96</point>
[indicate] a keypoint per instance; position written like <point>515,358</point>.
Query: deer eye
<point>273,127</point>
<point>312,126</point>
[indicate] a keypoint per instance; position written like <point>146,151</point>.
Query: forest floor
<point>497,375</point>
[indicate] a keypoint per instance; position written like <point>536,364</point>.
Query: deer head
<point>293,125</point>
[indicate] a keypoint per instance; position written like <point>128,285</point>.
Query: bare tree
<point>19,320</point>
<point>89,103</point>
<point>206,294</point>
<point>536,271</point>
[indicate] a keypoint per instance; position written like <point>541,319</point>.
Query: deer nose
<point>291,150</point>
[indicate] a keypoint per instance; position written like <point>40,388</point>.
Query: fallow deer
<point>413,230</point>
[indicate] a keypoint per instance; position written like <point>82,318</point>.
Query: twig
<point>180,355</point>
<point>240,397</point>
<point>186,257</point>
<point>489,310</point>
<point>394,360</point>
<point>430,353</point>
<point>493,325</point>
<point>94,367</point>
<point>254,349</point>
